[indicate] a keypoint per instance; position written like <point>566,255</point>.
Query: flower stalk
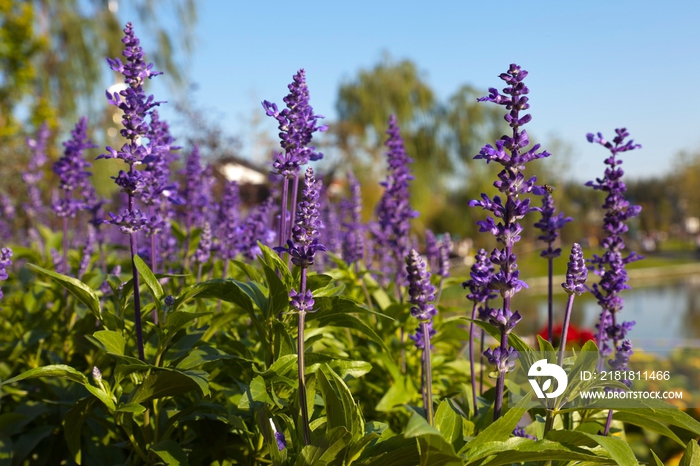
<point>421,295</point>
<point>302,248</point>
<point>136,108</point>
<point>550,224</point>
<point>511,152</point>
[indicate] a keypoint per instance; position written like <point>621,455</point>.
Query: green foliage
<point>220,377</point>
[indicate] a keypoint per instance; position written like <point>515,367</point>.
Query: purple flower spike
<point>353,235</point>
<point>305,242</point>
<point>504,319</point>
<point>420,290</point>
<point>256,228</point>
<point>520,432</point>
<point>481,276</point>
<point>502,360</point>
<point>622,356</point>
<point>35,173</point>
<point>74,178</point>
<point>229,220</point>
<point>279,437</point>
<point>576,272</point>
<point>297,124</point>
<point>432,249</point>
<point>550,224</point>
<point>611,265</point>
<point>302,302</point>
<point>5,262</point>
<point>419,338</point>
<point>421,294</point>
<point>203,252</point>
<point>510,151</point>
<point>281,441</point>
<point>394,212</point>
<point>444,258</point>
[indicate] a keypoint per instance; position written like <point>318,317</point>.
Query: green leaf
<point>149,279</point>
<point>80,290</point>
<point>273,260</point>
<point>250,271</point>
<point>341,409</point>
<point>502,428</point>
<point>278,299</point>
<point>73,426</point>
<point>316,281</point>
<point>395,451</point>
<point>448,421</point>
<point>355,369</point>
<point>692,454</point>
<point>657,461</point>
<point>282,367</point>
<point>336,312</point>
<point>400,392</point>
<point>434,450</point>
<point>112,341</point>
<point>658,411</point>
<point>417,425</point>
<point>176,321</point>
<point>134,408</point>
<point>618,449</point>
<point>646,423</point>
<point>170,452</point>
<point>518,450</point>
<point>164,383</point>
<point>56,370</point>
<point>325,448</point>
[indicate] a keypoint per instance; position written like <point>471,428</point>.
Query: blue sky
<point>594,65</point>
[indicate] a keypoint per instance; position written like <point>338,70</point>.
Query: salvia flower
<point>157,183</point>
<point>256,228</point>
<point>305,242</point>
<point>7,216</point>
<point>203,252</point>
<point>444,257</point>
<point>576,272</point>
<point>550,223</point>
<point>512,153</point>
<point>502,360</point>
<point>418,337</point>
<point>611,265</point>
<point>394,212</point>
<point>87,251</point>
<point>297,124</point>
<point>520,432</point>
<point>279,437</point>
<point>432,249</point>
<point>96,374</point>
<point>421,294</point>
<point>5,262</point>
<point>353,229</point>
<point>34,172</point>
<point>301,301</point>
<point>481,275</point>
<point>73,174</point>
<point>622,356</point>
<point>196,192</point>
<point>228,222</point>
<point>420,291</point>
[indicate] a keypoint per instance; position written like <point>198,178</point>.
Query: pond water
<point>667,315</point>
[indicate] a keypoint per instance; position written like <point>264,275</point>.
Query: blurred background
<point>593,67</point>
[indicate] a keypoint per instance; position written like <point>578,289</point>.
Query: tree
<point>52,64</point>
<point>441,137</point>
